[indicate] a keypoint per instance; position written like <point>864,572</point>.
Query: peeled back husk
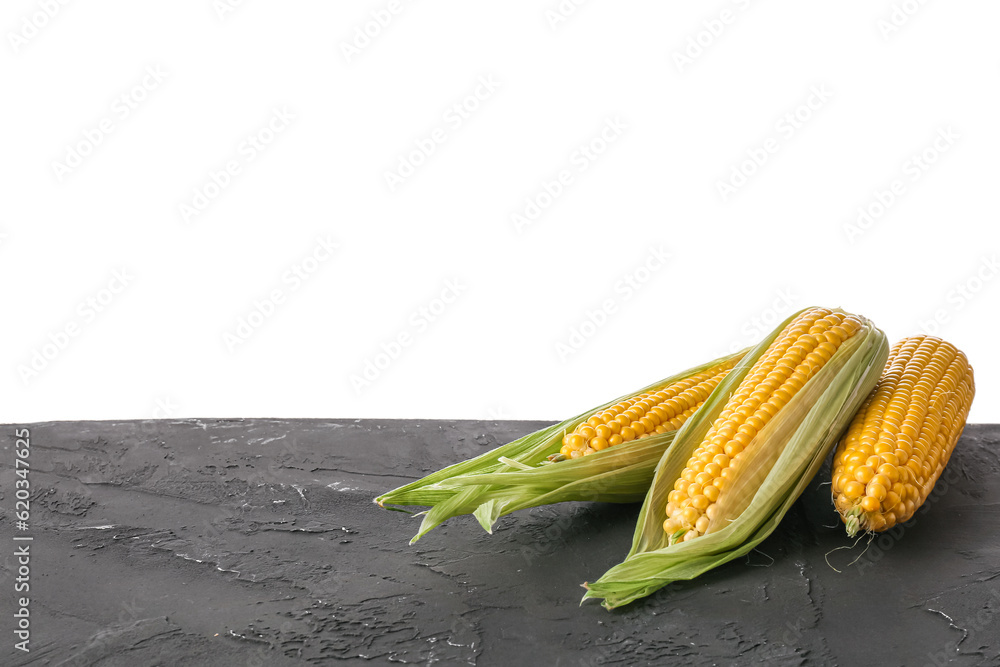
<point>785,456</point>
<point>520,475</point>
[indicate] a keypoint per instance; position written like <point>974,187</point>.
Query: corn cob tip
<point>852,522</point>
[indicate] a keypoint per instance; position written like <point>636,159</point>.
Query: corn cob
<point>902,437</point>
<point>798,354</point>
<point>657,411</point>
<point>774,418</point>
<point>550,466</point>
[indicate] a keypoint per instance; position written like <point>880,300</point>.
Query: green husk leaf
<point>794,445</point>
<point>519,475</point>
<point>616,475</point>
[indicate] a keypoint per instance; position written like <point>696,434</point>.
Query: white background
<point>892,78</point>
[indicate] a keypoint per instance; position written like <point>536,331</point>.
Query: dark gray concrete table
<point>256,542</point>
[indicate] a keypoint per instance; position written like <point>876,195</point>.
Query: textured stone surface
<point>256,542</point>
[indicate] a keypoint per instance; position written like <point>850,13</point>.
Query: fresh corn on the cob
<point>902,437</point>
<point>640,416</point>
<point>798,354</point>
<point>740,462</point>
<point>574,460</point>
